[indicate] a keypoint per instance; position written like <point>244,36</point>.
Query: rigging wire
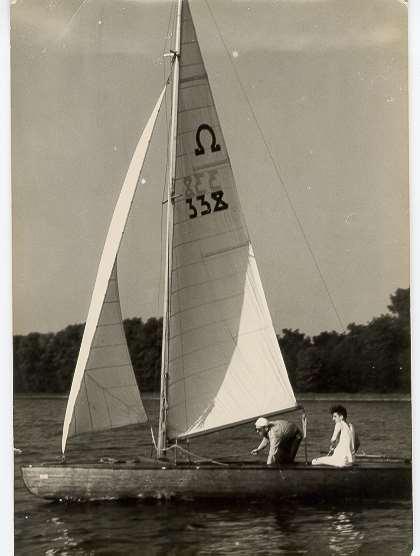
<point>201,459</point>
<point>278,173</point>
<point>73,17</point>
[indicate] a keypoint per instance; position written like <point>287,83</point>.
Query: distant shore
<point>308,396</point>
<point>362,397</point>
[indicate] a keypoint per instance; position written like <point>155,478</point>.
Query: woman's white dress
<point>344,451</point>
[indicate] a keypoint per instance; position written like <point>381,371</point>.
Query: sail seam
<point>201,348</point>
<point>187,265</point>
<point>232,337</point>
<point>219,300</point>
<point>207,325</point>
<point>183,66</point>
<point>196,284</point>
<point>104,324</point>
<point>124,404</point>
<point>87,400</point>
<point>102,429</point>
<point>224,162</point>
<point>227,250</point>
<point>108,367</point>
<point>107,406</point>
<point>192,375</point>
<point>206,237</point>
<point>195,108</point>
<point>194,86</point>
<point>195,78</point>
<point>129,385</point>
<point>108,345</point>
<point>130,363</point>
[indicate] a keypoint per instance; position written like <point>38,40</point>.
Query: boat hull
<point>256,482</point>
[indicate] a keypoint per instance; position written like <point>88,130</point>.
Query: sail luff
<point>169,232</point>
<point>108,258</point>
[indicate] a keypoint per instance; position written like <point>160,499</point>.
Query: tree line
<point>372,357</point>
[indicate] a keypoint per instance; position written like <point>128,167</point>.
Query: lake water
<point>49,528</point>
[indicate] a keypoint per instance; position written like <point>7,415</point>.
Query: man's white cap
<point>261,422</point>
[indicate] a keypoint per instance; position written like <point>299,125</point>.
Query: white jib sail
<point>109,396</point>
<point>225,365</point>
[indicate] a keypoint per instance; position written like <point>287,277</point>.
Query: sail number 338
<point>199,204</point>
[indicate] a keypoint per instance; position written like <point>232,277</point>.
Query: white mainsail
<point>224,361</point>
<point>104,393</point>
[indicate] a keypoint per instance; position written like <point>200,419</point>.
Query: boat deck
<point>223,464</point>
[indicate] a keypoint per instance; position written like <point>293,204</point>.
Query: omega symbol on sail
<point>214,145</point>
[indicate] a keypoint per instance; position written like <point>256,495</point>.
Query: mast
<point>162,440</point>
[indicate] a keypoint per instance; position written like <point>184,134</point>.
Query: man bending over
<point>282,437</point>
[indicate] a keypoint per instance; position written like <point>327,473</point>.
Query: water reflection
<point>295,529</point>
<point>63,541</point>
<point>344,537</point>
<point>212,529</point>
<point>319,529</point>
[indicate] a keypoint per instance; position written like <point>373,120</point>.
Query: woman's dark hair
<point>340,409</point>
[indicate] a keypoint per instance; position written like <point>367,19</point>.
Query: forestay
<point>104,393</point>
<point>225,365</point>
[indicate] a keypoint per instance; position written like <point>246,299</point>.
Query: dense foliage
<point>45,362</point>
<point>365,358</point>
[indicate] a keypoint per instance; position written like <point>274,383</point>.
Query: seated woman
<point>342,447</point>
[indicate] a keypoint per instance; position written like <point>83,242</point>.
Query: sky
<point>312,97</point>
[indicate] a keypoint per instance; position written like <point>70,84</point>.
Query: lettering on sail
<point>205,207</point>
<point>214,146</point>
<point>200,182</point>
<point>197,196</point>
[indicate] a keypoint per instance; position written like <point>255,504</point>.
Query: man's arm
<point>262,445</point>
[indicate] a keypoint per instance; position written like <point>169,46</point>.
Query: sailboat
<point>221,361</point>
